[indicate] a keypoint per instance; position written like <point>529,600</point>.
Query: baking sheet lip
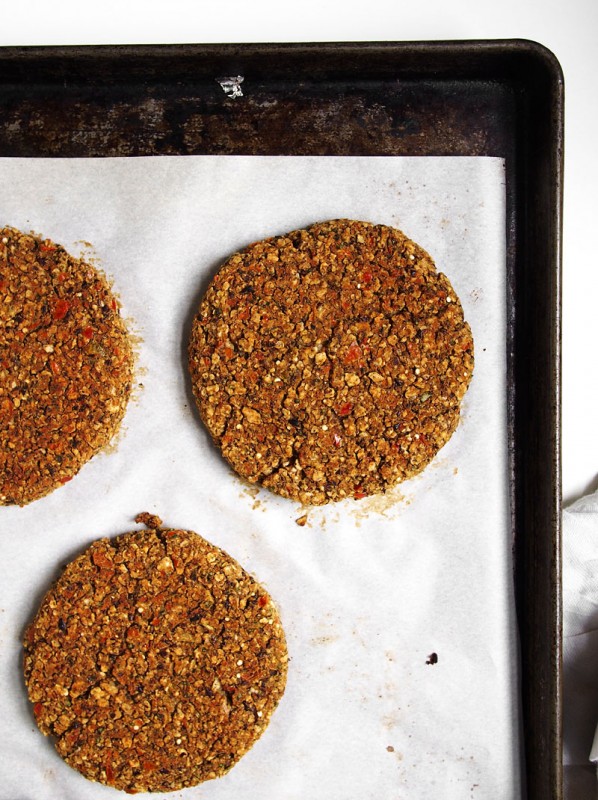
<point>506,44</point>
<point>504,48</point>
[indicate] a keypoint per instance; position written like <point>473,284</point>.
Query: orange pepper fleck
<point>101,560</point>
<point>60,309</point>
<point>354,353</point>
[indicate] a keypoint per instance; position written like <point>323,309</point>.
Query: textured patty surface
<point>66,366</point>
<point>330,362</point>
<point>155,661</point>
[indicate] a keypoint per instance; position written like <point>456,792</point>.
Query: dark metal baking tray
<point>485,98</point>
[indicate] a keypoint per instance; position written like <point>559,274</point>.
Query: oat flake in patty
<point>330,362</point>
<point>155,661</point>
<point>65,366</point>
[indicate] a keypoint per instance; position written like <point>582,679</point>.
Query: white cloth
<point>580,646</point>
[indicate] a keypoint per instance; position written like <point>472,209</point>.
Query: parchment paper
<point>367,590</point>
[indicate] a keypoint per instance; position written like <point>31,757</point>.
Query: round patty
<point>155,661</point>
<point>330,362</point>
<point>66,366</point>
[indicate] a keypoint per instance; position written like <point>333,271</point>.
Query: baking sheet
<point>367,591</point>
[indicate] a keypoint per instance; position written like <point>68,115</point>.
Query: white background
<point>569,29</point>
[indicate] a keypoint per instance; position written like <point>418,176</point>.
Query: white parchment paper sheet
<point>367,591</point>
